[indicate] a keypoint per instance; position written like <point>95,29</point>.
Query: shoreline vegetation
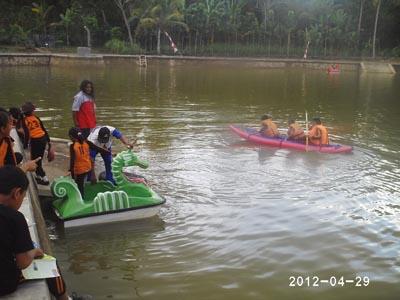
<point>47,58</point>
<point>100,51</point>
<point>318,29</point>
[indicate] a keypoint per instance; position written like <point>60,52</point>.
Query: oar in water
<point>306,131</point>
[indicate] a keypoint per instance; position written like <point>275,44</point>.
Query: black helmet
<point>265,117</point>
<point>28,108</point>
<point>104,135</point>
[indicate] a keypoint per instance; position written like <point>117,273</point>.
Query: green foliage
<point>120,47</point>
<point>17,34</point>
<point>116,33</point>
<point>395,52</point>
<point>3,35</point>
<point>116,46</point>
<point>234,27</point>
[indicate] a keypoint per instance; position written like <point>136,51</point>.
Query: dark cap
<point>28,107</point>
<point>265,117</point>
<point>15,112</point>
<point>317,120</point>
<point>104,135</point>
<point>74,132</point>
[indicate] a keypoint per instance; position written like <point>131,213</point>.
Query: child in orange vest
<point>318,134</point>
<point>81,164</point>
<point>37,138</point>
<point>268,127</point>
<point>295,132</point>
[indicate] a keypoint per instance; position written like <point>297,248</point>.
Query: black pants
<point>38,146</point>
<point>80,181</point>
<point>56,285</point>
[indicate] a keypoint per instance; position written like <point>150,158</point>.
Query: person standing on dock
<point>84,108</point>
<point>37,137</point>
<point>81,163</point>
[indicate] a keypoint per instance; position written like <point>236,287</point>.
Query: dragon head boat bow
<point>104,202</point>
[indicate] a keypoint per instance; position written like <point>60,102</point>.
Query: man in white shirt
<point>100,141</point>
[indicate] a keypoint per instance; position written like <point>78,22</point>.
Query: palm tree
<point>122,4</point>
<point>214,10</point>
<point>378,6</point>
<point>233,9</point>
<point>291,25</point>
<point>165,14</point>
<point>360,15</point>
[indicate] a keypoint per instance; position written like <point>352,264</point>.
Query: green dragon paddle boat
<point>104,202</point>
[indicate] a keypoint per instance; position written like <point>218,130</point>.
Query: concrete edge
<point>32,289</point>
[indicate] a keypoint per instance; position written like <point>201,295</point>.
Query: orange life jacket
<point>6,150</point>
<point>34,127</point>
<point>296,133</point>
<point>319,135</point>
<point>82,162</point>
<point>269,128</point>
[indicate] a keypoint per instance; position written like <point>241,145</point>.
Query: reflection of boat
<point>333,69</point>
<point>103,202</point>
<point>254,136</point>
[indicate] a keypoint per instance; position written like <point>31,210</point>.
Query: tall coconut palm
<point>377,3</point>
<point>164,15</point>
<point>233,9</point>
<point>122,5</point>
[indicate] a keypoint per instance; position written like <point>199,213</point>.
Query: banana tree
<point>66,21</point>
<point>42,12</point>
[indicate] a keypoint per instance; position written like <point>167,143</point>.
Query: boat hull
<point>112,216</point>
<point>253,136</point>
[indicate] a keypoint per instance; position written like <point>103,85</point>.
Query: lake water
<point>240,219</point>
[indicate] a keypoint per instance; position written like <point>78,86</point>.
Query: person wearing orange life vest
<point>268,127</point>
<point>81,163</point>
<point>37,137</point>
<point>7,154</point>
<point>318,134</point>
<point>295,132</point>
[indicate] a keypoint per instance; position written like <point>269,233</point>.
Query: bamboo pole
<point>306,131</point>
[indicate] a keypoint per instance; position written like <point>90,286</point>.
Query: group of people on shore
<point>17,250</point>
<point>89,139</point>
<point>317,133</point>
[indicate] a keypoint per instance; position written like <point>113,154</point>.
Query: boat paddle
<point>306,131</point>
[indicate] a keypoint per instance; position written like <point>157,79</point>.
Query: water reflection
<point>239,219</point>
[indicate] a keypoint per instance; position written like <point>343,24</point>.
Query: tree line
<point>275,28</point>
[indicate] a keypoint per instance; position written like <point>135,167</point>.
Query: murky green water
<point>240,219</point>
